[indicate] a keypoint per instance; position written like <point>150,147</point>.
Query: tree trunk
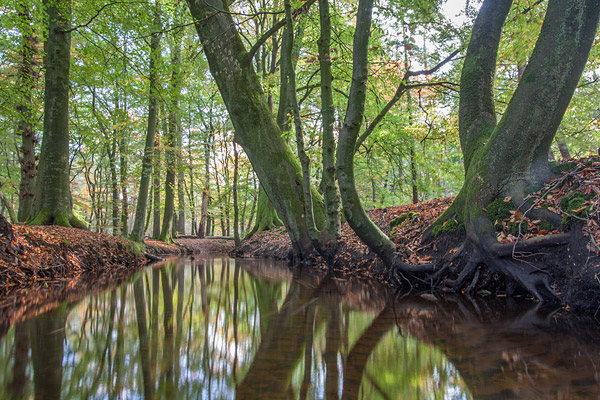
<point>114,183</point>
<point>137,233</point>
<point>156,192</point>
<point>328,184</point>
<point>47,350</point>
<point>174,115</point>
<point>8,205</point>
<point>173,157</point>
<point>564,150</point>
<point>191,187</point>
<point>169,209</point>
<point>202,228</point>
<point>508,158</point>
<point>355,214</point>
<point>255,128</point>
<point>290,77</point>
<point>53,195</point>
<point>236,211</point>
<point>123,118</point>
<point>26,80</point>
<point>413,176</point>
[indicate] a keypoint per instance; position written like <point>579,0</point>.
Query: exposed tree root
<point>465,273</point>
<point>482,250</point>
<point>529,245</point>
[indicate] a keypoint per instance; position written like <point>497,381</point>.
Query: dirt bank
<point>573,265</point>
<point>42,266</point>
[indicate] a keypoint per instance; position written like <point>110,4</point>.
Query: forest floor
<point>42,266</point>
<point>574,195</point>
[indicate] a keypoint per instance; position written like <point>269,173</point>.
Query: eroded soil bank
<point>573,266</point>
<point>42,266</point>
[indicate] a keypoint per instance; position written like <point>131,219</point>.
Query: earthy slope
<point>574,264</point>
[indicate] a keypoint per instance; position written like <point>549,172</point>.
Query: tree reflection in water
<point>224,328</point>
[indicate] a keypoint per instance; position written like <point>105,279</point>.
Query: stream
<point>223,328</point>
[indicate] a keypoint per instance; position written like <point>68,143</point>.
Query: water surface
<point>224,328</point>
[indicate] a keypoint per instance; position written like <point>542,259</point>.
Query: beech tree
<point>52,203</point>
<point>509,157</point>
<point>504,159</point>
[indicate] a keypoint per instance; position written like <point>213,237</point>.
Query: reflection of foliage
<point>408,369</point>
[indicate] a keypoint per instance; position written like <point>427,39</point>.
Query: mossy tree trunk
<point>505,158</point>
<point>52,203</point>
<point>137,232</point>
<point>266,216</point>
<point>353,210</point>
<point>255,128</point>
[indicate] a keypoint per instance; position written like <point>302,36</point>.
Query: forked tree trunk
<point>355,214</point>
<point>508,158</point>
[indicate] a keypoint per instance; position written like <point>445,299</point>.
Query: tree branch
<point>97,15</point>
<point>402,88</point>
<point>278,25</point>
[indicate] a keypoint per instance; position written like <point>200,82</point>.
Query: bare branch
<point>278,25</point>
<point>402,88</point>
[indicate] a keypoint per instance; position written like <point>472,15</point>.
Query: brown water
<point>246,329</point>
